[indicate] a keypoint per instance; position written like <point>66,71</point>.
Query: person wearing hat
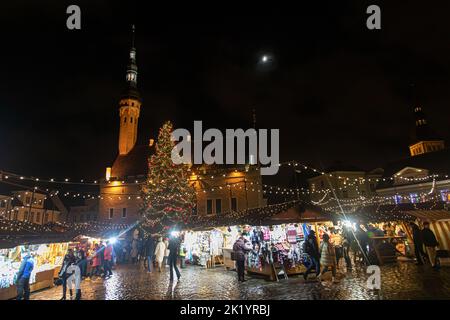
<point>311,249</point>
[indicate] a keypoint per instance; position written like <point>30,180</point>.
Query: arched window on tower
<point>125,120</point>
<point>131,120</point>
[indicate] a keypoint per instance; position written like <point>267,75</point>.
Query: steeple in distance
<point>425,139</point>
<point>132,66</point>
<point>130,104</point>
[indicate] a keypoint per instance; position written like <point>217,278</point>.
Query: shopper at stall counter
<point>311,249</point>
<point>430,242</point>
<point>23,277</point>
<point>418,243</point>
<point>327,257</point>
<point>240,250</point>
<point>174,248</point>
<point>160,252</point>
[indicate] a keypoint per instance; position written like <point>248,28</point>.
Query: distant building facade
<point>344,182</point>
<point>28,206</point>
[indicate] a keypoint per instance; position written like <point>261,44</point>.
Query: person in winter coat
<point>82,261</point>
<point>69,259</point>
<point>182,256</point>
<point>311,249</point>
<point>239,249</point>
<point>160,252</point>
<point>134,251</point>
<point>23,277</point>
<point>327,256</point>
<point>96,261</point>
<point>166,253</point>
<point>174,249</point>
<point>74,279</point>
<point>430,242</point>
<point>107,259</point>
<point>150,252</point>
<point>418,243</point>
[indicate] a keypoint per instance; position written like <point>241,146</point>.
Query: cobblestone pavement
<point>398,281</point>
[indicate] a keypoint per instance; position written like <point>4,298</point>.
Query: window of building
<point>27,200</point>
<point>88,217</point>
<point>95,217</point>
<point>218,206</point>
<point>233,204</point>
<point>38,217</point>
<point>209,204</point>
<point>46,217</point>
<point>16,214</point>
<point>25,216</point>
<point>111,213</point>
<point>131,120</point>
<point>345,193</point>
<point>32,217</point>
<point>81,217</point>
<point>124,212</point>
<point>125,120</point>
<point>2,203</point>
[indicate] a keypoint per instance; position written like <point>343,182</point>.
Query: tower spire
<point>133,29</point>
<point>130,104</point>
<point>132,66</point>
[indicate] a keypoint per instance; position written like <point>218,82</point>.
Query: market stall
<point>47,258</point>
<point>277,241</point>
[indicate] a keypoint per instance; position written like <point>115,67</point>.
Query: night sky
<point>336,90</point>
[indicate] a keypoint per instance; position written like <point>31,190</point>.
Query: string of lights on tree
<point>167,195</point>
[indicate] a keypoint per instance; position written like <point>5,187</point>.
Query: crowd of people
<point>345,243</point>
<point>157,252</point>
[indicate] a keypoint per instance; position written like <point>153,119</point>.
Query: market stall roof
<point>294,215</point>
<point>432,215</point>
<point>398,212</point>
<point>14,233</point>
<point>287,212</point>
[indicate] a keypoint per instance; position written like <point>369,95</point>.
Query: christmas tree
<point>168,198</point>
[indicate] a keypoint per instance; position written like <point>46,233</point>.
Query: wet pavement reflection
<point>131,282</point>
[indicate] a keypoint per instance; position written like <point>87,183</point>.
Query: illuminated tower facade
<point>130,106</point>
<point>425,139</point>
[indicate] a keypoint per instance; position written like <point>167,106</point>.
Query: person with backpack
<point>311,249</point>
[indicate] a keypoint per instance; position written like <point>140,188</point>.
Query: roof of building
<point>135,163</point>
<point>437,162</point>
